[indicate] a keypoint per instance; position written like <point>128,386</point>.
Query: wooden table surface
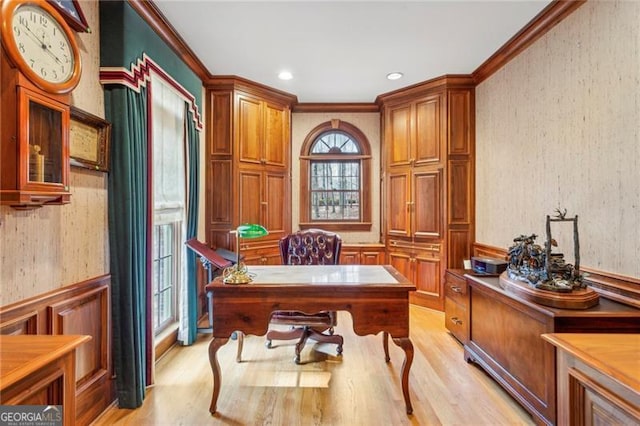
<point>24,354</point>
<point>616,355</point>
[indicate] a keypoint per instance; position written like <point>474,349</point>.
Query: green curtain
<point>128,198</point>
<point>193,170</point>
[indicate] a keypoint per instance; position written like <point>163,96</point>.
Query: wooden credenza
<point>504,338</point>
<point>40,370</point>
<point>598,378</point>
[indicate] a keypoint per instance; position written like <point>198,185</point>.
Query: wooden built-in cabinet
<point>428,157</point>
<point>34,142</point>
<point>249,165</point>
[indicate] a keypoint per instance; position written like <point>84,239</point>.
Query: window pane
<point>335,143</point>
<point>335,190</point>
<point>164,274</point>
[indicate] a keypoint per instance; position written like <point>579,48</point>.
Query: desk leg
<point>215,344</point>
<point>407,346</point>
<point>385,345</point>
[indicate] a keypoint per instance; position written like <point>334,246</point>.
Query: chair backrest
<point>311,247</point>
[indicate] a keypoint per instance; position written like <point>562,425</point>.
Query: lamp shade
<point>251,230</point>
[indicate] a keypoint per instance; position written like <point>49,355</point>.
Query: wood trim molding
<point>450,81</point>
<point>233,82</point>
<point>157,21</point>
<point>548,18</point>
<point>612,286</point>
<point>336,107</point>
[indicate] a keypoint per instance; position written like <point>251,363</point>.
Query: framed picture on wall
<point>72,13</point>
<point>89,141</point>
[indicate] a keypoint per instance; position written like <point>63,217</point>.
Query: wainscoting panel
<point>23,324</point>
<point>81,308</point>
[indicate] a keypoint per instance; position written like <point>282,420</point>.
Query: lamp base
<point>237,274</point>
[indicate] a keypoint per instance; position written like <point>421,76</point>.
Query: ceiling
<point>341,51</point>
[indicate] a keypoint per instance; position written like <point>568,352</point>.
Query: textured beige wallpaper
<point>53,246</point>
<point>369,124</point>
<point>558,126</point>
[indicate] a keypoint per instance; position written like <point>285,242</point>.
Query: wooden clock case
<point>34,136</point>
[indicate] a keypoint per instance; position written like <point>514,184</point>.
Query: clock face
<point>43,44</point>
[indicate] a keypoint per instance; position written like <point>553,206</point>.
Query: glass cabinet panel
<point>45,144</point>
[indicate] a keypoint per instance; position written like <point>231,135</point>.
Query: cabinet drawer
<point>456,288</point>
<point>456,319</point>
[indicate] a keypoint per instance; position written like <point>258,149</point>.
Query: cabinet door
<point>427,280</point>
<point>426,204</point>
<point>402,261</point>
<point>43,144</point>
<point>250,129</point>
<point>427,274</point>
<point>372,258</point>
<point>250,197</point>
<point>398,136</point>
<point>276,136</point>
<point>399,204</point>
<point>428,131</point>
<point>349,257</point>
<point>276,205</point>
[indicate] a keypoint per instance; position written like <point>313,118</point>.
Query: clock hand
<point>46,49</point>
<point>42,44</point>
<point>35,37</point>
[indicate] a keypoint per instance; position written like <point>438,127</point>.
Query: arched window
<point>335,178</point>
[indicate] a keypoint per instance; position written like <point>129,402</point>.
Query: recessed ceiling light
<point>394,75</point>
<point>285,75</point>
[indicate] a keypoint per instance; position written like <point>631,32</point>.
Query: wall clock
<point>41,45</point>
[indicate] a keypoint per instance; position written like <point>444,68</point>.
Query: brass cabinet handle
<point>456,321</point>
<point>456,289</point>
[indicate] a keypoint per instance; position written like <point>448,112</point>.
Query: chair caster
<point>339,350</point>
<point>268,344</point>
<point>297,359</point>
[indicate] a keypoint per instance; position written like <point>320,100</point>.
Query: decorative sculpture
<point>541,268</point>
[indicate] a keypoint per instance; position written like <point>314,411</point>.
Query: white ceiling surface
<point>341,51</point>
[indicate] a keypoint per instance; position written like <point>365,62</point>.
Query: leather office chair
<point>308,247</point>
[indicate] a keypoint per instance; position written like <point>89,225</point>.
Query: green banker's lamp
<point>238,273</point>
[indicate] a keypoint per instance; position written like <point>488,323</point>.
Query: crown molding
<point>548,18</point>
<point>234,82</point>
<point>336,107</point>
<point>448,81</point>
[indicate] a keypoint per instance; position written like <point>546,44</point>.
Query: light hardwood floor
<point>359,388</point>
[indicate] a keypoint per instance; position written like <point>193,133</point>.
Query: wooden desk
<point>598,378</point>
<point>376,296</point>
<point>40,370</point>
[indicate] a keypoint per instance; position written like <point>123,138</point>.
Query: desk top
<point>616,355</point>
<point>325,275</point>
<point>23,354</point>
